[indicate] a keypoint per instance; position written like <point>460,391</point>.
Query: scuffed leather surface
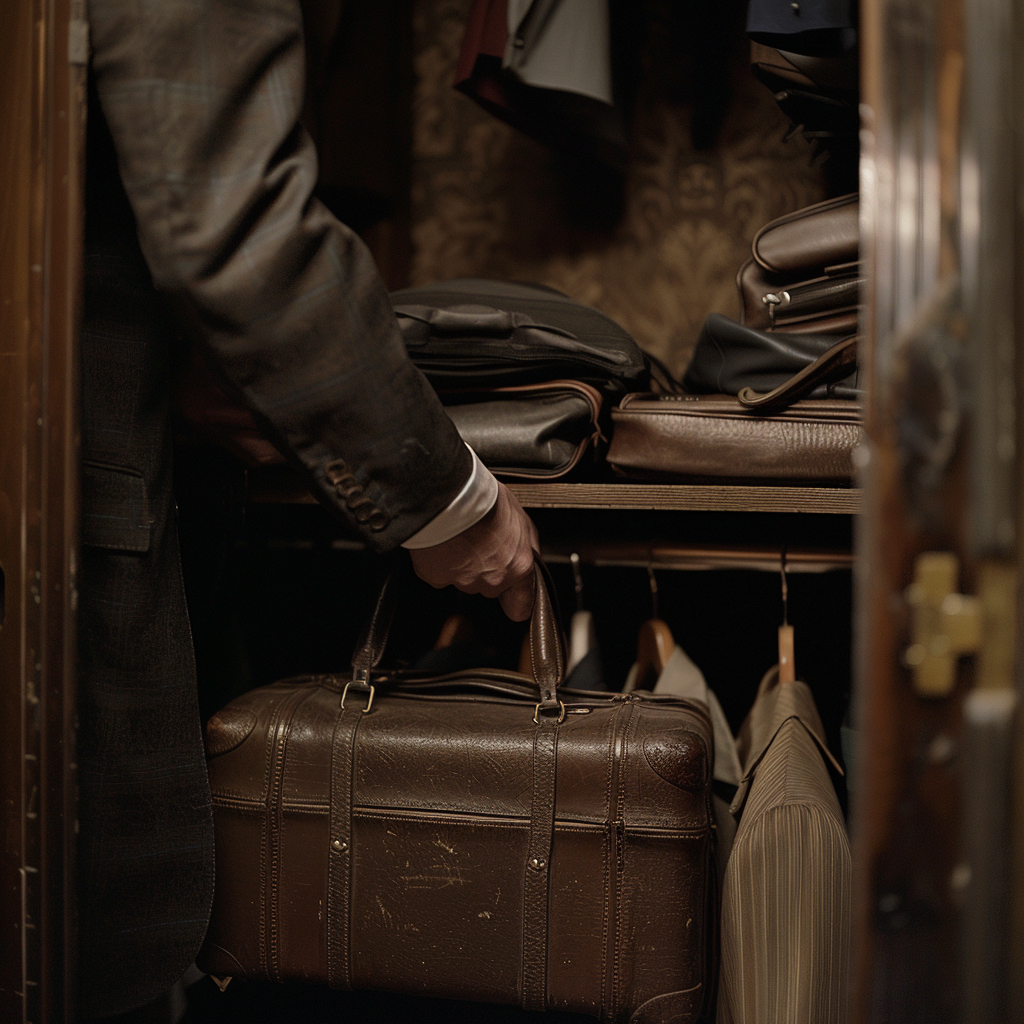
<point>663,755</point>
<point>440,826</point>
<point>670,1008</point>
<point>229,727</point>
<point>657,436</point>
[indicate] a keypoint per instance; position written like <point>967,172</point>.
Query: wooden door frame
<point>933,828</point>
<point>43,55</point>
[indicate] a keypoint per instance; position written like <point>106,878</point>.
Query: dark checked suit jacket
<point>200,223</point>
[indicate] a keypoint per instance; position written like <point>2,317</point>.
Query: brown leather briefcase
<point>683,437</point>
<point>479,836</point>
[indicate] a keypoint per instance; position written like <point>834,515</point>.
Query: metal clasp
<point>561,713</point>
<point>361,685</point>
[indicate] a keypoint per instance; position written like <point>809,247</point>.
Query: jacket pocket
<point>115,508</point>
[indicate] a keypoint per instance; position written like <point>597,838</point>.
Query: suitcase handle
<point>547,653</point>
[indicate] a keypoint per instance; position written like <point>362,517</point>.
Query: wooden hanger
<point>456,629</point>
<point>654,642</point>
<point>787,663</point>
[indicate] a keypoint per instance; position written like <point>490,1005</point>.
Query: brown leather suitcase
<point>479,836</point>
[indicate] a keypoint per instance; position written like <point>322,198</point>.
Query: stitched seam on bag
<point>536,884</point>
<point>265,838</point>
<point>289,709</point>
<point>339,872</point>
<point>620,854</point>
<point>610,876</point>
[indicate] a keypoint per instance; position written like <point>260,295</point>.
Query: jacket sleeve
<point>202,98</point>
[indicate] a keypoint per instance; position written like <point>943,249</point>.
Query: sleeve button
<point>378,521</point>
<point>336,471</point>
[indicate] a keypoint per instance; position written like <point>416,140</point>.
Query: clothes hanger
<point>582,632</point>
<point>654,643</point>
<point>456,629</point>
<point>787,664</point>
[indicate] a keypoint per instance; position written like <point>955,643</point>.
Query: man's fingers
<point>517,601</point>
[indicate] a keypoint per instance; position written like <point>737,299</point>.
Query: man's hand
<point>494,557</point>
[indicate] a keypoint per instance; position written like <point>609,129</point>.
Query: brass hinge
<point>947,625</point>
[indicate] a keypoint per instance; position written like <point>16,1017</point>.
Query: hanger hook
<point>577,579</point>
<point>654,590</point>
<point>785,588</point>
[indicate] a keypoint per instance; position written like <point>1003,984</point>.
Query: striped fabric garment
<point>786,898</point>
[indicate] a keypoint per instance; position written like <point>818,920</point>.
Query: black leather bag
<point>474,333</point>
<point>770,368</point>
<point>533,431</point>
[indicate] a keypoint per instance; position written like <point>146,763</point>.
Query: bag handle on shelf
<point>547,653</point>
<point>836,362</point>
<point>481,322</point>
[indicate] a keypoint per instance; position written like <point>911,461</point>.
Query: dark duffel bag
<point>479,333</point>
<point>478,836</point>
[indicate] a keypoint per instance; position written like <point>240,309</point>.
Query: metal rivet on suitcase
<point>537,863</point>
<point>339,846</point>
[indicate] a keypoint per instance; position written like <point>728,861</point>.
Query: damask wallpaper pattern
<point>489,202</point>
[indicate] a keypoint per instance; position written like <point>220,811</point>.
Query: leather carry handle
<point>840,358</point>
<point>481,323</point>
<point>547,653</point>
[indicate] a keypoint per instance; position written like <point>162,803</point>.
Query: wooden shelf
<point>691,497</point>
<point>278,487</point>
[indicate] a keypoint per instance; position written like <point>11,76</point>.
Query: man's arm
<point>203,98</point>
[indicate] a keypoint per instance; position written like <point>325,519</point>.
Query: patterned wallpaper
<point>489,202</point>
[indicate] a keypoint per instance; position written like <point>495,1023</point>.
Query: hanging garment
<point>786,900</point>
<point>817,28</point>
<point>682,678</point>
<point>545,67</point>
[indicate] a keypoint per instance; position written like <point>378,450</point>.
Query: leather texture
<point>786,903</point>
<point>670,437</point>
<point>824,235</point>
<point>477,835</point>
<point>840,358</point>
<point>803,274</point>
<point>730,357</point>
<point>534,431</point>
<point>479,333</point>
<point>823,304</point>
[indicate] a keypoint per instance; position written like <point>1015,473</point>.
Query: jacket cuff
<point>469,506</point>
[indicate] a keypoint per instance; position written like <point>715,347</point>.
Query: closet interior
<point>440,189</point>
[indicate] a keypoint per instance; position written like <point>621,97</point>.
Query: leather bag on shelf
<point>480,835</point>
<point>803,275</point>
<point>764,427</point>
<point>533,431</point>
<point>672,437</point>
<point>475,333</point>
<point>730,358</point>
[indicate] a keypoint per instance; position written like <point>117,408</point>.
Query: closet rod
<point>696,557</point>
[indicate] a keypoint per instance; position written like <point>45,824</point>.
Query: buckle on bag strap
<point>360,681</point>
<point>558,706</point>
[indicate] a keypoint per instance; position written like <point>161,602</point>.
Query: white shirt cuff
<point>471,504</point>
